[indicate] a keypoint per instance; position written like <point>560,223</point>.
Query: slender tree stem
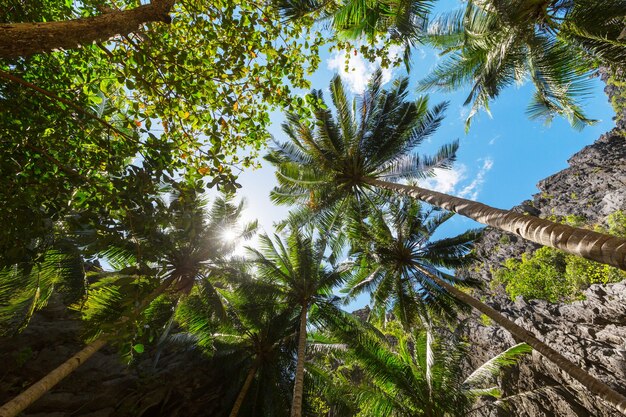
<point>592,245</point>
<point>298,388</point>
<point>244,390</point>
<point>39,388</point>
<point>24,39</point>
<point>593,384</point>
<point>45,384</point>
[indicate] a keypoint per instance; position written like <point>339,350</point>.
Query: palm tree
<point>259,338</point>
<point>173,250</point>
<point>402,267</point>
<point>492,46</point>
<point>405,374</point>
<point>303,280</point>
<point>329,164</point>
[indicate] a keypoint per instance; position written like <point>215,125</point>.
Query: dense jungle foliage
<point>118,177</point>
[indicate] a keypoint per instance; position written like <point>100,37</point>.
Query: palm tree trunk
<point>24,39</point>
<point>35,391</point>
<point>45,384</point>
<point>593,384</point>
<point>244,391</point>
<point>298,388</point>
<point>592,245</point>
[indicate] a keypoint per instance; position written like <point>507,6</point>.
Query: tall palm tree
<point>400,262</point>
<point>491,45</point>
<point>259,338</point>
<point>173,250</point>
<point>405,374</point>
<point>297,267</point>
<point>385,249</point>
<point>330,163</point>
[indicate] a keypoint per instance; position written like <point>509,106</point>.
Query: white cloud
<point>472,190</point>
<point>359,69</point>
<point>494,139</point>
<point>445,180</point>
<point>464,111</point>
<point>454,181</point>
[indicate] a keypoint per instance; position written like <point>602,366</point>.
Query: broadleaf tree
<point>91,128</point>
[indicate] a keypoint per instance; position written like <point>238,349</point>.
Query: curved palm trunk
<point>592,245</point>
<point>298,388</point>
<point>35,391</point>
<point>45,384</point>
<point>594,385</point>
<point>244,391</point>
<point>24,39</point>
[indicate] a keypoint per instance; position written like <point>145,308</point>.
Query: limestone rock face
<point>592,332</point>
<point>181,385</point>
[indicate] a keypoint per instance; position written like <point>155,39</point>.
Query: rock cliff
<point>182,384</point>
<point>592,332</point>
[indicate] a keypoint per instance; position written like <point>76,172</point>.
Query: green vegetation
<point>110,143</point>
<point>549,274</point>
<point>485,320</point>
<point>538,276</point>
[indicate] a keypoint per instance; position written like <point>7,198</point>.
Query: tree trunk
<point>24,39</point>
<point>45,384</point>
<point>592,245</point>
<point>244,391</point>
<point>594,385</point>
<point>35,391</point>
<point>298,387</point>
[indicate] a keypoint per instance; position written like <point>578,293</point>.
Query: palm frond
<point>495,365</point>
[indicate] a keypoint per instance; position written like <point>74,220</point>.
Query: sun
<point>229,235</point>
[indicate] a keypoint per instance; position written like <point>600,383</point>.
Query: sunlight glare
<point>229,235</point>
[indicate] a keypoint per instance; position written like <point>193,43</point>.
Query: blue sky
<point>500,160</point>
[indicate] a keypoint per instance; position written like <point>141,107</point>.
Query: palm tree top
<point>396,255</point>
<point>492,44</point>
<point>296,267</point>
<point>373,136</point>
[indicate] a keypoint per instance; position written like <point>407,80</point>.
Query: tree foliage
<point>552,275</point>
<point>89,130</point>
<point>410,373</point>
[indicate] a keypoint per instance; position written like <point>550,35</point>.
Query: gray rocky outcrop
<point>591,332</point>
<point>182,384</point>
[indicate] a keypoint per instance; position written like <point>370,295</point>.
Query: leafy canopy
<point>95,130</point>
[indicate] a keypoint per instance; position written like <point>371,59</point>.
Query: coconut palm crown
<point>491,46</point>
<point>324,165</point>
<point>397,255</point>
